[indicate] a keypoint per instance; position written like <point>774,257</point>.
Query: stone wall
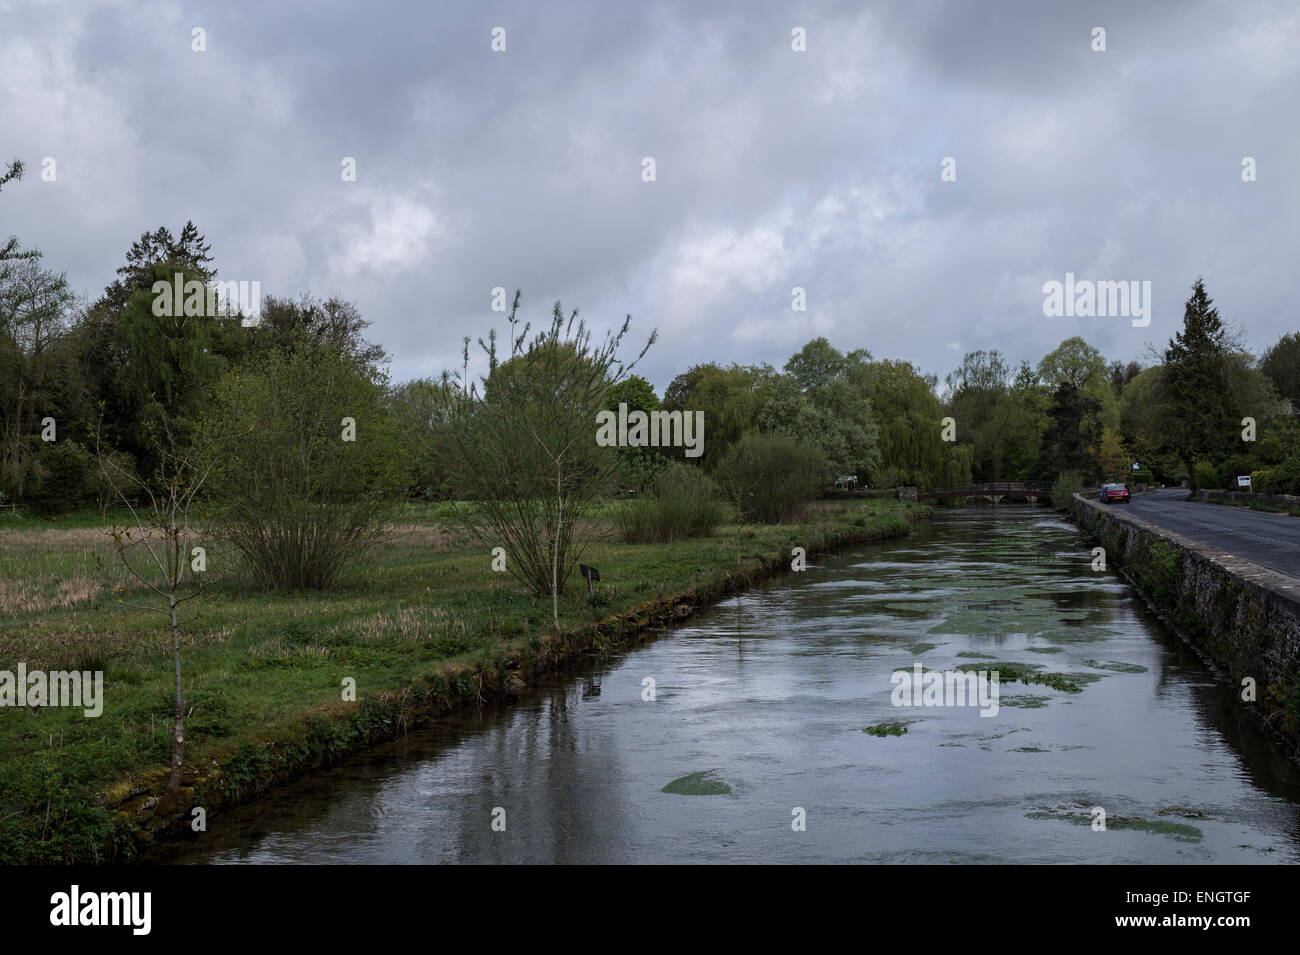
<point>1242,618</point>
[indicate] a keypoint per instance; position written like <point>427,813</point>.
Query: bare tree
<point>161,529</point>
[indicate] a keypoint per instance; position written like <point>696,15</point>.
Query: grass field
<point>260,666</point>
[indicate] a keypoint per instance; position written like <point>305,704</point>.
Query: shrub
<point>61,475</point>
<point>1234,466</point>
<point>1142,476</point>
<point>684,504</point>
<point>526,448</point>
<point>1204,475</point>
<point>297,500</point>
<point>772,476</point>
<point>1282,479</point>
<point>1066,485</point>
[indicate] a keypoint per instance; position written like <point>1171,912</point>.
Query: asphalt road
<point>1271,540</point>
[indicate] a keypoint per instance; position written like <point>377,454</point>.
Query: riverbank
<point>422,628</point>
<point>1242,618</point>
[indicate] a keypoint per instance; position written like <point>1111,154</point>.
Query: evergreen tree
<point>1071,431</point>
<point>1197,382</point>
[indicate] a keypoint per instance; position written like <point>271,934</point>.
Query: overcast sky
<point>774,168</point>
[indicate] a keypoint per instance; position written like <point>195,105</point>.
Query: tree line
<point>86,381</point>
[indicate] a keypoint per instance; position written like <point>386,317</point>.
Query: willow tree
<point>521,444</point>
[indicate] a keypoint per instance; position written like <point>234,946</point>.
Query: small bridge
<point>1011,490</point>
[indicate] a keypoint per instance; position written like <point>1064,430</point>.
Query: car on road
<point>1114,492</point>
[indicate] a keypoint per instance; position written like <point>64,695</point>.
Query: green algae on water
<point>706,783</point>
<point>1178,831</point>
<point>886,729</point>
<point>1115,666</point>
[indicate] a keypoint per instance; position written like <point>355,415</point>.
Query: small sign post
<point>1243,480</point>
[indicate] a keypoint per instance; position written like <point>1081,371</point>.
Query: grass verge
<point>423,626</point>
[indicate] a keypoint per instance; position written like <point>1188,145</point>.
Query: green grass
<point>415,622</point>
<point>1256,506</point>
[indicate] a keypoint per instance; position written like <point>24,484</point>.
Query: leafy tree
<point>817,365</point>
<point>912,449</point>
<point>427,406</point>
<point>34,317</point>
<point>731,399</point>
<point>1073,361</point>
<point>1120,374</point>
<point>1030,400</point>
<point>305,324</point>
<point>1281,363</point>
<point>639,467</point>
<point>979,400</point>
<point>1146,414</point>
<point>1112,460</point>
<point>1076,362</point>
<point>819,400</point>
<point>1250,393</point>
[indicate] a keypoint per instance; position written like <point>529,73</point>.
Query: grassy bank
<point>1255,506</point>
<point>423,625</point>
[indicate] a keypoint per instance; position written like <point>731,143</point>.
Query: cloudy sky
<point>774,168</point>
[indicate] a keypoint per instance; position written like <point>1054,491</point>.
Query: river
<point>767,697</point>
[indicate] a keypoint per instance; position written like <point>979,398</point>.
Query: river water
<point>769,694</point>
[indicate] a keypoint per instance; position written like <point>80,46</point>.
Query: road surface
<point>1271,540</point>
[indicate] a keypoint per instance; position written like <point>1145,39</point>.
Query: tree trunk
<point>178,722</point>
<point>555,556</point>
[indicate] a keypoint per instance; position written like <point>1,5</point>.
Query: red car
<point>1114,492</point>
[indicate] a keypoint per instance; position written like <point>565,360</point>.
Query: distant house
<point>847,481</point>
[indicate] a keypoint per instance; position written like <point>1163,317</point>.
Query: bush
<point>1142,476</point>
<point>684,504</point>
<point>1205,476</point>
<point>528,449</point>
<point>1066,485</point>
<point>297,500</point>
<point>772,476</point>
<point>61,475</point>
<point>1282,479</point>
<point>1237,464</point>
